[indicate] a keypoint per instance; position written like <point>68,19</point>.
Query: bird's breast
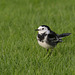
<point>43,43</point>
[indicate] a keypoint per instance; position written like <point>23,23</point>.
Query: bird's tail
<point>64,35</point>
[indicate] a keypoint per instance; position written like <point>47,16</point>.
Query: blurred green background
<point>20,53</point>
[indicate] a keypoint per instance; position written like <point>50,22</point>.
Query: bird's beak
<point>36,29</point>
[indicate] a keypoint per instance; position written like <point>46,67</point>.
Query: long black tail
<point>64,35</point>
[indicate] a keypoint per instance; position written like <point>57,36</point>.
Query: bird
<point>49,39</point>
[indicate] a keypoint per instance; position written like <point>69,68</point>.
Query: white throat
<point>48,32</point>
<point>41,32</point>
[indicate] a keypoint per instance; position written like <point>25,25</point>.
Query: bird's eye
<point>42,28</point>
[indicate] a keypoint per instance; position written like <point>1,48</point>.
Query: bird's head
<point>43,29</point>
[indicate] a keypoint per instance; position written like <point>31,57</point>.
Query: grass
<point>20,53</point>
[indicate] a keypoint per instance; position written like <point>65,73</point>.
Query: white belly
<point>44,44</point>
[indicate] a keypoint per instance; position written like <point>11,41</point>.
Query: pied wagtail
<point>48,38</point>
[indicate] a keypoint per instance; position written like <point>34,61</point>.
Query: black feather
<point>41,36</point>
<point>52,39</point>
<point>46,27</point>
<point>64,35</point>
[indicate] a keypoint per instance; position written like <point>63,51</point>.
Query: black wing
<point>52,38</point>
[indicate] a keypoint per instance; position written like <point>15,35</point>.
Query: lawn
<point>20,53</point>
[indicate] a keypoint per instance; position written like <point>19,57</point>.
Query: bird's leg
<point>47,51</point>
<point>51,52</point>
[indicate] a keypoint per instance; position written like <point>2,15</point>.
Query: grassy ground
<point>20,53</point>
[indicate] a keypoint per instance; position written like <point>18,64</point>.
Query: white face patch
<point>43,30</point>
